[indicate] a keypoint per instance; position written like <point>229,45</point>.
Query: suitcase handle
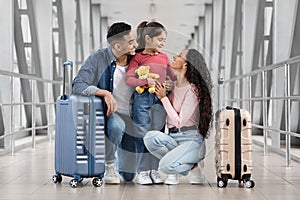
<point>67,79</point>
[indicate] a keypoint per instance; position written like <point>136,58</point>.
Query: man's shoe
<point>143,178</point>
<point>172,179</point>
<point>111,176</point>
<point>196,174</point>
<point>156,179</point>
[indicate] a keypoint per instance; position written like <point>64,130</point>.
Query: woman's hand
<point>160,90</point>
<point>169,84</point>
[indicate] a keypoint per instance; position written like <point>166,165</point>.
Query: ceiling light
<point>189,4</point>
<point>152,9</point>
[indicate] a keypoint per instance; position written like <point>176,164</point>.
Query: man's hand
<point>109,99</point>
<point>111,103</point>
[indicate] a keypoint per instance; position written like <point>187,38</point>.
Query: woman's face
<point>179,61</point>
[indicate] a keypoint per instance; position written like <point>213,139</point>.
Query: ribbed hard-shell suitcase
<point>79,139</point>
<point>233,146</point>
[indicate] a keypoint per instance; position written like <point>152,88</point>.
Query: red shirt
<point>159,64</point>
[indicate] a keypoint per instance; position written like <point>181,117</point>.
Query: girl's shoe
<point>143,178</point>
<point>155,176</point>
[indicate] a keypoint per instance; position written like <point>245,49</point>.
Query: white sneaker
<point>156,179</point>
<point>172,179</point>
<point>196,174</point>
<point>111,175</point>
<point>143,178</point>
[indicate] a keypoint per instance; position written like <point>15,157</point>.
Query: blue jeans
<point>147,114</point>
<point>178,152</point>
<point>120,139</point>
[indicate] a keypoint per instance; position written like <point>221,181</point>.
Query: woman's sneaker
<point>196,174</point>
<point>172,179</point>
<point>143,178</point>
<point>155,176</point>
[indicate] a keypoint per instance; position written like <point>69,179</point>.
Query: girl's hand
<point>151,82</point>
<point>160,90</point>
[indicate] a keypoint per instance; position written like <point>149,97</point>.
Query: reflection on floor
<point>27,175</point>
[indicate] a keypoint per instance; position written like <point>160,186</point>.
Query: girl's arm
<point>131,78</point>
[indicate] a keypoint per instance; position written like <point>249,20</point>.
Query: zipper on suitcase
<point>238,146</point>
<point>91,137</point>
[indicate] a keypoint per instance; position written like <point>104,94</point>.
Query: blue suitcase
<point>79,139</point>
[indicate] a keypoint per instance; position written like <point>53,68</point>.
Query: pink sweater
<point>181,106</point>
<point>159,64</point>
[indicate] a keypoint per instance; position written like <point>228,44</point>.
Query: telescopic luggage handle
<point>67,79</point>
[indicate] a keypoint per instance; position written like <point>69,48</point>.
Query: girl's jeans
<point>147,114</point>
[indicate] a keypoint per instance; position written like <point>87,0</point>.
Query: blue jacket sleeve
<point>86,80</point>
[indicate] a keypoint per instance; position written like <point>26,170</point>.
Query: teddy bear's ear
<point>148,67</point>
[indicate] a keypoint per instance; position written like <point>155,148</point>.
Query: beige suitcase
<point>233,146</point>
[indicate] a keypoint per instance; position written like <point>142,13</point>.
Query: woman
<point>189,116</point>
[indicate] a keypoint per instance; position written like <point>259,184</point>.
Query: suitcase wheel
<point>97,182</point>
<point>221,183</point>
<point>249,184</point>
<point>56,178</point>
<point>73,183</point>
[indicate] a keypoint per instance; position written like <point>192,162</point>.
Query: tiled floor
<point>27,175</point>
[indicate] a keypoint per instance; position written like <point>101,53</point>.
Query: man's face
<point>128,44</point>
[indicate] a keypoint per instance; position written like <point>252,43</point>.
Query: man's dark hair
<point>116,31</point>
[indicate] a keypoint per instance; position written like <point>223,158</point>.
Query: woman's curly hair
<point>198,75</point>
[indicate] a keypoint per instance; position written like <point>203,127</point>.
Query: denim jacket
<point>97,72</point>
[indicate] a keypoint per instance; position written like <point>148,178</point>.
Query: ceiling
<point>178,16</point>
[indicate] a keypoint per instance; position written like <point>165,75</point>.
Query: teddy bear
<point>143,72</point>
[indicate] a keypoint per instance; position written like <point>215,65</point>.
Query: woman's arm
<point>187,109</point>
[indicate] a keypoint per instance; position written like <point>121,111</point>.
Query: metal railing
<point>10,134</point>
<point>234,84</point>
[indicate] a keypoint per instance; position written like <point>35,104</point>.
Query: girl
<point>147,111</point>
<point>189,115</point>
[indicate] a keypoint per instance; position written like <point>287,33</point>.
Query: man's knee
<point>115,127</point>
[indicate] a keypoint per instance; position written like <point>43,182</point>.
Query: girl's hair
<point>147,28</point>
<point>198,75</point>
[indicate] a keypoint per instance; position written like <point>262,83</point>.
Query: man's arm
<point>86,80</point>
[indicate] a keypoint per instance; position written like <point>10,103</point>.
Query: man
<point>103,75</point>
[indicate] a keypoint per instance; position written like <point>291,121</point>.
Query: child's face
<point>157,43</point>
